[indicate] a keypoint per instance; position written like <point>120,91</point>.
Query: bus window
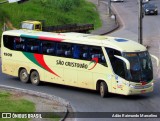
<point>48,48</point>
<point>33,45</point>
<point>8,41</point>
<point>117,64</point>
<point>64,49</point>
<point>96,52</point>
<point>19,44</point>
<point>38,27</point>
<point>84,52</point>
<point>76,51</point>
<point>140,66</point>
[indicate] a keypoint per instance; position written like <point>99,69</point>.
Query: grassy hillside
<point>54,12</point>
<point>11,103</point>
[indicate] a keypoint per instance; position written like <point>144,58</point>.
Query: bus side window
<point>76,51</point>
<point>117,64</point>
<point>19,43</point>
<point>33,45</point>
<point>8,41</point>
<point>64,50</point>
<point>68,51</point>
<point>97,53</point>
<point>48,48</point>
<point>59,50</point>
<point>84,52</point>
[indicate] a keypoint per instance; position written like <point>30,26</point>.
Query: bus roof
<point>120,44</point>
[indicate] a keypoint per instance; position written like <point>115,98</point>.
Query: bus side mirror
<point>125,60</point>
<point>155,57</point>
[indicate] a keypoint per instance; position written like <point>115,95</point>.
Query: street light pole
<point>140,23</point>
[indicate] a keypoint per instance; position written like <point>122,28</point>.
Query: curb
<point>120,21</point>
<point>112,30</point>
<point>42,95</point>
<point>74,110</point>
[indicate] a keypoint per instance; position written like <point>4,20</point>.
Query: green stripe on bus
<point>29,36</point>
<point>31,57</point>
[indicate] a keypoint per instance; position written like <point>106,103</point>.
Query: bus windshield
<point>29,26</point>
<point>140,66</point>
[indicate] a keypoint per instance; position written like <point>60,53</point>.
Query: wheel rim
<point>35,78</point>
<point>24,75</point>
<point>101,90</point>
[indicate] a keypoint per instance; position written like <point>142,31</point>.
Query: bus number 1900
<point>8,54</point>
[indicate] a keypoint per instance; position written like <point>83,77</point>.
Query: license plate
<point>151,12</point>
<point>143,91</point>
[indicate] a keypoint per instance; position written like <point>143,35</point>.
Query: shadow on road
<point>69,89</point>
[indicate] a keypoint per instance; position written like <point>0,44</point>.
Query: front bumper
<point>117,0</point>
<point>151,12</point>
<point>135,91</point>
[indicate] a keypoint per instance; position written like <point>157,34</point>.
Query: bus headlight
<point>152,84</point>
<point>127,84</point>
<point>156,9</point>
<point>132,86</point>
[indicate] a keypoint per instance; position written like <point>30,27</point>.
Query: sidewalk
<point>108,24</point>
<point>154,48</point>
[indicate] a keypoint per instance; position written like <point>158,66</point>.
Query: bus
<point>102,63</point>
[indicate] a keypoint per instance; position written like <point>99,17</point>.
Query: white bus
<point>102,63</point>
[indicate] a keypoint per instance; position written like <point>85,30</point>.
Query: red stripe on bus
<point>95,60</point>
<point>50,39</point>
<point>40,60</point>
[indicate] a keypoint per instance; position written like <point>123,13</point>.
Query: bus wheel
<point>24,76</point>
<point>103,89</point>
<point>34,77</point>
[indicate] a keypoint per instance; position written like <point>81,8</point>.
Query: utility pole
<point>140,23</point>
<point>109,7</point>
<point>98,2</point>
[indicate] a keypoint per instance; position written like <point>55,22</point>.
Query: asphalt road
<point>128,12</point>
<point>90,101</point>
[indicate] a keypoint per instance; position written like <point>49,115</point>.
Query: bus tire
<point>34,77</point>
<point>24,76</point>
<point>103,89</point>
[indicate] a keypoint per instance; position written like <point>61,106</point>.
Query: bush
<point>67,5</point>
<point>3,16</point>
<point>54,12</point>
